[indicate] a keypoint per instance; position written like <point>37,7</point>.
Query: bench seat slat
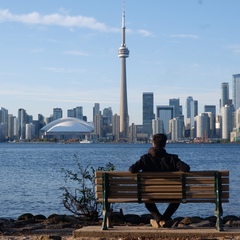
<point>164,189</point>
<point>162,195</point>
<point>135,200</point>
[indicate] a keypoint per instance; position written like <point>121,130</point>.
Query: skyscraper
<point>188,108</point>
<point>70,113</point>
<point>78,112</point>
<point>157,126</point>
<point>22,116</point>
<point>165,113</point>
<point>4,120</point>
<point>107,112</point>
<point>211,110</point>
<point>193,112</point>
<point>148,114</point>
<point>177,128</point>
<point>225,94</point>
<point>97,125</point>
<point>10,126</point>
<point>202,126</point>
<point>96,110</point>
<point>123,53</point>
<point>115,126</point>
<point>176,103</point>
<point>236,91</point>
<point>237,116</point>
<point>226,121</point>
<point>30,130</point>
<point>57,113</point>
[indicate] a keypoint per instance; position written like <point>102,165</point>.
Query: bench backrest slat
<point>164,174</point>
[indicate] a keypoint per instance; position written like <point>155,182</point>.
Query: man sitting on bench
<point>158,160</point>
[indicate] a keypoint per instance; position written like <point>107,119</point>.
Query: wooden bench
<point>162,187</point>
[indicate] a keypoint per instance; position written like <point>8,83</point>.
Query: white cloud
<point>64,70</point>
<point>184,36</point>
<point>75,53</point>
<point>235,48</point>
<point>56,19</point>
<point>145,33</point>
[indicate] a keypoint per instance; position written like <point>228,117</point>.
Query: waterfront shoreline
<point>68,227</point>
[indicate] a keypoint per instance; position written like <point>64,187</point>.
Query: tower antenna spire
<point>123,25</point>
<point>123,14</point>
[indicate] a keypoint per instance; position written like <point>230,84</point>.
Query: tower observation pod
<point>123,53</point>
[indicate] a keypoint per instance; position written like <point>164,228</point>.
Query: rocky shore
<point>59,227</point>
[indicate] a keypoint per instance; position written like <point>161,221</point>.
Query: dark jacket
<point>158,160</point>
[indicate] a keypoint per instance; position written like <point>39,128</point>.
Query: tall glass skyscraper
<point>188,106</point>
<point>22,120</point>
<point>236,91</point>
<point>225,94</point>
<point>4,121</point>
<point>176,103</point>
<point>148,114</point>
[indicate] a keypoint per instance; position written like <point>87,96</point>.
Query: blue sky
<point>64,53</point>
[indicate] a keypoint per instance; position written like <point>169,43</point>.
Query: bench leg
<point>218,214</point>
<point>106,217</point>
<point>218,204</point>
<point>109,223</point>
<point>104,223</point>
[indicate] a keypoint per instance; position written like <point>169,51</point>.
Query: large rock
<point>25,216</point>
<point>230,218</point>
<point>40,217</point>
<point>204,223</point>
<point>211,219</point>
<point>191,220</point>
<point>117,218</point>
<point>132,218</point>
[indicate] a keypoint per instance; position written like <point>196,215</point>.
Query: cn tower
<point>123,53</point>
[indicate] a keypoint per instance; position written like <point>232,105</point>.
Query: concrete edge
<point>149,232</point>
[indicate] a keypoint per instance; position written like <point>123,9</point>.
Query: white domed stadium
<point>67,128</point>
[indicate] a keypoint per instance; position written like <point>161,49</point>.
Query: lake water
<point>31,174</point>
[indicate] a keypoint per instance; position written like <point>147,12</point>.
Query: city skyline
<point>64,54</point>
<point>65,112</point>
<point>59,112</point>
